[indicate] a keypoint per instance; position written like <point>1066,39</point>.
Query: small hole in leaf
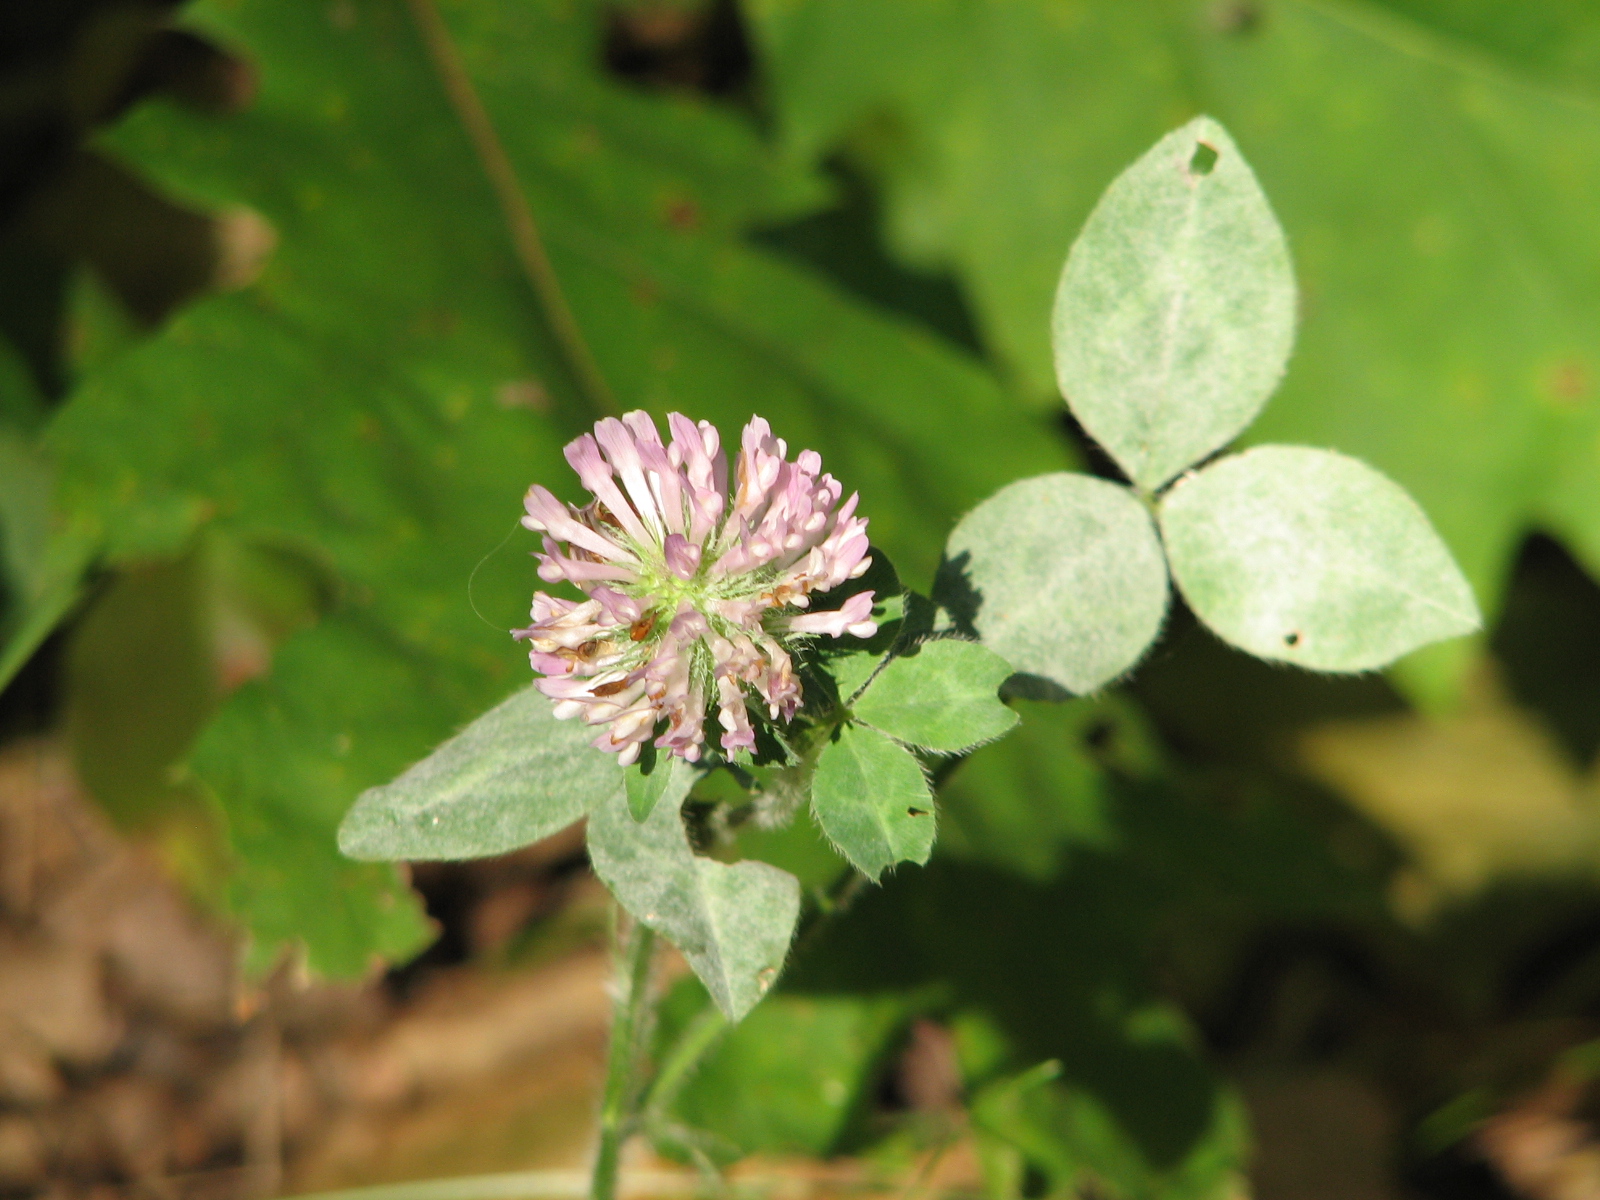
<point>1291,639</point>
<point>1204,159</point>
<point>916,812</point>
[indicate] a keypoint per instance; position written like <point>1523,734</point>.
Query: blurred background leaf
<point>427,392</point>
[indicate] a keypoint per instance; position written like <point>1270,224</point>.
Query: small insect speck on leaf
<point>1291,639</point>
<point>916,812</point>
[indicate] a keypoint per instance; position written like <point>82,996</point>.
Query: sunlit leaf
<point>513,776</point>
<point>388,389</point>
<point>871,799</point>
<point>42,558</point>
<point>852,671</point>
<point>732,922</point>
<point>1175,313</point>
<point>1437,194</point>
<point>943,697</point>
<point>1312,558</point>
<point>1061,575</point>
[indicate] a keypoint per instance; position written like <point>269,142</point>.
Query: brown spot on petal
<point>642,627</point>
<point>610,689</point>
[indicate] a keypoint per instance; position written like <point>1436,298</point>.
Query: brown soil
<point>134,1060</point>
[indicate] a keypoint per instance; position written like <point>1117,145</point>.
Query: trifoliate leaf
<point>871,798</point>
<point>513,776</point>
<point>732,922</point>
<point>1175,313</point>
<point>943,697</point>
<point>1311,557</point>
<point>1435,341</point>
<point>1061,575</point>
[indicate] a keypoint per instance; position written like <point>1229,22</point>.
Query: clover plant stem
<point>690,1047</point>
<point>630,1022</point>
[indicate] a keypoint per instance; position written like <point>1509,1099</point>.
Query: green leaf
<point>1553,41</point>
<point>646,780</point>
<point>42,558</point>
<point>1312,558</point>
<point>943,697</point>
<point>1438,198</point>
<point>1072,1138</point>
<point>798,847</point>
<point>513,776</point>
<point>1061,575</point>
<point>852,672</point>
<point>385,393</point>
<point>968,939</point>
<point>26,483</point>
<point>62,587</point>
<point>283,800</point>
<point>1175,313</point>
<point>788,1079</point>
<point>732,922</point>
<point>871,799</point>
<point>22,408</point>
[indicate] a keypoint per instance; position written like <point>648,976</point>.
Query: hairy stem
<point>692,1044</point>
<point>525,238</point>
<point>630,1022</point>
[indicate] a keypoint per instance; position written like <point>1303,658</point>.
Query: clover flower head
<point>694,596</point>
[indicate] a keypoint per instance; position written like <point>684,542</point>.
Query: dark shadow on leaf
<point>1023,686</point>
<point>953,591</point>
<point>916,626</point>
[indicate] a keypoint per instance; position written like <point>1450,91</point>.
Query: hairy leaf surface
<point>871,799</point>
<point>1435,178</point>
<point>513,776</point>
<point>1061,575</point>
<point>732,922</point>
<point>1310,557</point>
<point>1175,314</point>
<point>943,697</point>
